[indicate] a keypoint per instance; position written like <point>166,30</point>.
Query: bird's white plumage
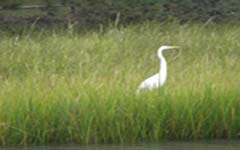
<point>160,78</point>
<point>151,82</point>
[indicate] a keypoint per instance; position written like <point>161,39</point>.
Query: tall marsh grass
<point>64,87</point>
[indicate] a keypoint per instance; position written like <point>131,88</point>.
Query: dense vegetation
<point>103,11</point>
<point>63,87</point>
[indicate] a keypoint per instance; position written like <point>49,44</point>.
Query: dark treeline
<point>126,11</point>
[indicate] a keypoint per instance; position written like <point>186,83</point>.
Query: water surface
<point>214,145</point>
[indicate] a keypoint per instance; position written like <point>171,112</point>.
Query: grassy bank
<point>64,87</point>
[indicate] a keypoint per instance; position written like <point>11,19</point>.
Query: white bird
<point>160,78</point>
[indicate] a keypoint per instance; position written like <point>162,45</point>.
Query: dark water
<point>216,145</point>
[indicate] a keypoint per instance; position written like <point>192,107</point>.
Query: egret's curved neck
<point>163,69</point>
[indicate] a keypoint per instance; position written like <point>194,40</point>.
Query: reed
<point>61,86</point>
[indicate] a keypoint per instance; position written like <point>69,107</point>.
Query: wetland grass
<point>65,87</point>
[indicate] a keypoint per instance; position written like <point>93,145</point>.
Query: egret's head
<point>165,47</point>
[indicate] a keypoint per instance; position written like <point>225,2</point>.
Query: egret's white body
<point>160,78</point>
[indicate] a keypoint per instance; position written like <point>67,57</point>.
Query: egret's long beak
<point>174,47</point>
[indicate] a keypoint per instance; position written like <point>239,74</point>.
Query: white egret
<point>160,78</point>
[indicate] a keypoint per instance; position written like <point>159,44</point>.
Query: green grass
<point>62,86</point>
